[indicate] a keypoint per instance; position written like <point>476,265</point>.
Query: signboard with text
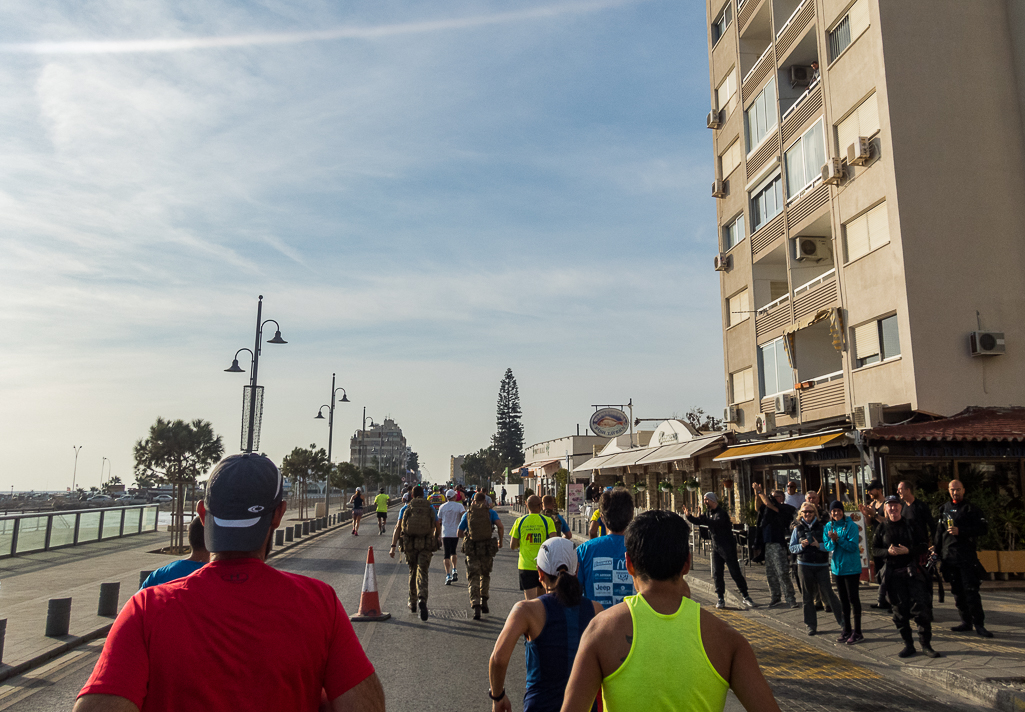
<point>574,497</point>
<point>609,422</point>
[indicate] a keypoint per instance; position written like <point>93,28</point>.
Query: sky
<point>424,193</point>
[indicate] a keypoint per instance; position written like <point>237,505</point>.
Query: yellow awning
<point>778,447</point>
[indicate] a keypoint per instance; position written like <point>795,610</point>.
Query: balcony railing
<point>797,102</point>
<point>773,304</point>
<point>828,378</point>
<point>807,286</point>
<point>757,62</point>
<point>791,18</point>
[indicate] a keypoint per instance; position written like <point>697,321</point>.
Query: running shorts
<point>529,579</point>
<point>450,543</point>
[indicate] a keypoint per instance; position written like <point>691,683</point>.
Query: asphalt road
<point>441,664</point>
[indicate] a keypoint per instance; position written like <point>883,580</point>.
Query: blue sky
<point>425,195</point>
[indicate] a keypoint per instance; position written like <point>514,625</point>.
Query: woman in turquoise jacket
<point>842,540</point>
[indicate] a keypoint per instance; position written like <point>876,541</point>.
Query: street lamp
<point>363,441</point>
<point>330,436</point>
<point>255,354</point>
<point>74,474</point>
<point>103,462</point>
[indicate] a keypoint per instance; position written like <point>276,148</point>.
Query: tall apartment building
<point>870,176</point>
<point>381,446</point>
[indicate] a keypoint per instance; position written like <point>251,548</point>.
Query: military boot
<point>484,605</point>
<point>925,640</point>
<point>909,643</point>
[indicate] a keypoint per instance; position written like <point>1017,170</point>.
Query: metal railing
<point>835,376</point>
<point>755,65</point>
<point>814,282</point>
<point>774,303</point>
<point>24,533</point>
<point>791,18</point>
<point>798,100</point>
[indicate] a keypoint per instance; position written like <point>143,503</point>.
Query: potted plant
<point>639,487</point>
<point>620,484</point>
<point>665,486</point>
<point>692,484</point>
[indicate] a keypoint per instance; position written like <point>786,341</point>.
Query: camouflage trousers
<point>419,561</point>
<point>478,577</point>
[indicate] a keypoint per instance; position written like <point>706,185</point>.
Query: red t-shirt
<point>237,634</point>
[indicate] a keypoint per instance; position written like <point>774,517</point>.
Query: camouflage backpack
<point>418,524</point>
<point>478,521</point>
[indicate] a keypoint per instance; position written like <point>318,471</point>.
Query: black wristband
<point>500,696</point>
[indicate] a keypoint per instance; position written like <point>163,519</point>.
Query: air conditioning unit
<point>731,415</point>
<point>859,152</point>
<point>765,423</point>
<point>867,416</point>
<point>785,404</point>
<point>814,249</point>
<point>833,172</point>
<point>723,262</point>
<point>800,76</point>
<point>713,121</point>
<point>718,189</point>
<point>987,343</point>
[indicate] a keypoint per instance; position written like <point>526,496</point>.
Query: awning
<point>595,463</point>
<point>680,451</point>
<point>616,459</point>
<point>540,465</point>
<point>779,447</point>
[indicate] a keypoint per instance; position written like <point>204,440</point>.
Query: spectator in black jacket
<point>959,526</point>
<point>724,549</point>
<point>915,509</point>
<point>775,518</point>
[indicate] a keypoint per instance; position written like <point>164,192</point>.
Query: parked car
<point>161,498</point>
<point>132,499</point>
<point>100,500</point>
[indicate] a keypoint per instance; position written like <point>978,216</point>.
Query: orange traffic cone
<point>369,605</point>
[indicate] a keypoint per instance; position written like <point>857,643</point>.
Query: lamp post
<point>330,436</point>
<point>255,353</point>
<point>363,441</point>
<point>103,462</point>
<point>74,473</point>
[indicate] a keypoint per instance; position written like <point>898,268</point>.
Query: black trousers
<point>879,562</point>
<point>726,557</point>
<point>911,599</point>
<point>847,592</point>
<point>964,584</point>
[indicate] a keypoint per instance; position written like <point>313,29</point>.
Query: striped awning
<point>779,447</point>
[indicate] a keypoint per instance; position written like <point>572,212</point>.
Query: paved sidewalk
<point>990,671</point>
<point>28,581</point>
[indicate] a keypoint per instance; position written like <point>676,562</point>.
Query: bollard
<point>108,600</point>
<point>58,617</point>
<point>3,634</point>
<point>279,537</point>
<point>313,526</point>
<point>290,534</point>
<point>143,575</point>
<point>306,528</point>
<point>298,530</point>
<point>323,522</point>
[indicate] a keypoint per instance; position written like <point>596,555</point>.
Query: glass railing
<point>42,531</point>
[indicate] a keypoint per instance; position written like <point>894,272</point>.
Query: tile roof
<point>972,424</point>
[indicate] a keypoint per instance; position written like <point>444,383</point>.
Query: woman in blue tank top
<point>552,625</point>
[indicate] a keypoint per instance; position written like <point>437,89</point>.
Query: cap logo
<point>256,508</point>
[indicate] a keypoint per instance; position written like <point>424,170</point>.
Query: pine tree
<point>508,441</point>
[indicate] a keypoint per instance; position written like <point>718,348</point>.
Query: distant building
<point>544,459</point>
<point>455,470</point>
<point>381,446</point>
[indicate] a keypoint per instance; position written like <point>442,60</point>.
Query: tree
<point>302,466</point>
<point>508,440</point>
<point>177,453</point>
<point>702,421</point>
<point>480,467</point>
<point>115,480</point>
<point>413,462</point>
<point>346,476</point>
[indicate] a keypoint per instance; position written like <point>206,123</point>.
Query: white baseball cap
<point>555,554</point>
<point>451,494</point>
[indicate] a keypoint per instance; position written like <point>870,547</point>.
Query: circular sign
<point>609,422</point>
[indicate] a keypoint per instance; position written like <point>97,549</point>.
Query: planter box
<point>988,559</point>
<point>1011,562</point>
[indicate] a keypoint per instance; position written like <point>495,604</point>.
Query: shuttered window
<point>738,308</point>
<point>863,121</point>
<point>848,29</point>
<point>726,94</point>
<point>867,232</point>
<point>731,158</point>
<point>876,341</point>
<point>742,385</point>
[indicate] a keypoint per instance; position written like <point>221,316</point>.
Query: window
<point>876,341</point>
<point>804,160</point>
<point>722,22</point>
<point>766,201</point>
<point>730,159</point>
<point>733,233</point>
<point>760,118</point>
<point>867,232</point>
<point>738,308</point>
<point>774,373</point>
<point>726,93</point>
<point>863,121</point>
<point>742,385</point>
<point>848,29</point>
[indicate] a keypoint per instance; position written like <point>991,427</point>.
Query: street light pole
<point>235,368</point>
<point>103,463</point>
<point>74,474</point>
<point>330,435</point>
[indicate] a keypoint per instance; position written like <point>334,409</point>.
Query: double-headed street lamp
<point>363,440</point>
<point>255,354</point>
<point>74,472</point>
<point>330,435</point>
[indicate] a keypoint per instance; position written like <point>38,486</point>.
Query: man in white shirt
<point>794,498</point>
<point>450,513</point>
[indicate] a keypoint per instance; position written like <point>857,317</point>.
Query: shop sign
<point>574,497</point>
<point>609,422</point>
<point>984,451</point>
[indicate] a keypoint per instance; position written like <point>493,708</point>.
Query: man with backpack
<point>528,533</point>
<point>480,548</point>
<point>419,531</point>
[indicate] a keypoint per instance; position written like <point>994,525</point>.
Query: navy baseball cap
<point>893,499</point>
<point>242,495</point>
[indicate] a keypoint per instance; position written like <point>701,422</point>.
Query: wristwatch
<point>497,697</point>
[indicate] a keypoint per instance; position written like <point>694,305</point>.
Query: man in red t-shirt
<point>237,634</point>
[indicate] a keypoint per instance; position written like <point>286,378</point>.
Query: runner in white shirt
<point>450,513</point>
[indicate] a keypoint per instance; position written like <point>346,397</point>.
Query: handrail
<point>740,4</point>
<point>114,507</point>
<point>818,280</point>
<point>755,65</point>
<point>790,19</point>
<point>773,303</point>
<point>828,377</point>
<point>36,531</point>
<point>797,102</point>
<point>805,190</point>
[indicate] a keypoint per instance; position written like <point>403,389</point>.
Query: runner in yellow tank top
<point>653,654</point>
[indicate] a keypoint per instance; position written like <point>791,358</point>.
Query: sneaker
<point>774,602</point>
<point>423,609</point>
<point>749,603</point>
<point>455,576</point>
<point>855,638</point>
<point>448,580</point>
<point>844,637</point>
<point>721,603</point>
